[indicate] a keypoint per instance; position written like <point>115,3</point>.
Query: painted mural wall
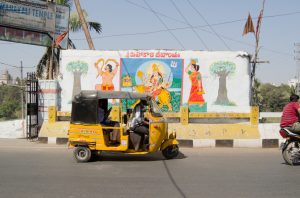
<point>204,81</point>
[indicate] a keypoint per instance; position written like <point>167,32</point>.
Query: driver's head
<point>144,105</point>
<point>103,103</point>
<point>144,102</point>
<point>294,98</point>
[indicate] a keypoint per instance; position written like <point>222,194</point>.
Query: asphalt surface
<point>29,169</point>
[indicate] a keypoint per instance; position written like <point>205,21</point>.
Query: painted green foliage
<point>77,68</point>
<point>222,69</point>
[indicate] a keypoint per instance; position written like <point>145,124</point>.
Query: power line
<point>225,37</point>
<point>204,19</point>
<point>251,45</point>
<point>164,24</point>
<point>158,13</point>
<point>13,65</point>
<point>185,19</point>
<point>199,26</point>
<point>214,24</point>
<point>187,27</point>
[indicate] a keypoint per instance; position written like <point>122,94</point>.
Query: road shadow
<point>114,156</point>
<point>286,164</point>
<point>172,179</point>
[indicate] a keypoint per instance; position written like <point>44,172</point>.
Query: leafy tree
<point>77,68</point>
<point>18,81</point>
<point>43,67</point>
<point>274,97</point>
<point>293,89</point>
<point>256,93</point>
<point>9,79</point>
<point>76,26</point>
<point>64,2</point>
<point>10,102</point>
<point>222,69</point>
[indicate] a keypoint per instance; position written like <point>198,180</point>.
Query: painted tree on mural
<point>222,69</point>
<point>77,68</point>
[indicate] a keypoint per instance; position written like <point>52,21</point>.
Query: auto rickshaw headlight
<point>172,135</point>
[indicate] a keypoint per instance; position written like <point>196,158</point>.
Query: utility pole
<point>22,98</point>
<point>84,25</point>
<point>257,48</point>
<point>51,62</point>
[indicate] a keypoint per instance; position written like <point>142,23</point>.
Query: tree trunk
<point>84,25</point>
<point>222,98</point>
<point>77,83</point>
<point>51,66</point>
<point>48,67</point>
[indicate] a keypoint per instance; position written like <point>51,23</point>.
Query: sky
<point>131,24</point>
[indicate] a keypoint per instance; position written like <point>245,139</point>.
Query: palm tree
<point>44,68</point>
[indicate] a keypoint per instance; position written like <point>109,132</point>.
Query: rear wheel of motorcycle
<point>289,153</point>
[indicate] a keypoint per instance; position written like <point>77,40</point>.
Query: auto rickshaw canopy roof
<point>85,104</point>
<point>91,94</point>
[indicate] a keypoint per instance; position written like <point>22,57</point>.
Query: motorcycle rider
<point>290,115</point>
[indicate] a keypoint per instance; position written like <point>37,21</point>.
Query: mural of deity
<point>107,74</point>
<point>156,77</point>
<point>158,88</point>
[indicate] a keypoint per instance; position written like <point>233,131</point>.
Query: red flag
<point>61,37</point>
<point>258,23</point>
<point>248,26</point>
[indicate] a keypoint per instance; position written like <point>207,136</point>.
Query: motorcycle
<point>291,147</point>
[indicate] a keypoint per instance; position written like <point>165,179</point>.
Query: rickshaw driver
<point>139,124</point>
<point>103,117</point>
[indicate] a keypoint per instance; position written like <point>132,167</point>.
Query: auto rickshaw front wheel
<point>171,151</point>
<point>82,154</point>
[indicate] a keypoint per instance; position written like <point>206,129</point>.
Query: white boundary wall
<point>12,129</point>
<point>269,130</point>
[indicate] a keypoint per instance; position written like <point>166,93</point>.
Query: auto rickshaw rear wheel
<point>82,154</point>
<point>171,151</point>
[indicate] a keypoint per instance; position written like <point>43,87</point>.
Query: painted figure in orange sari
<point>197,91</point>
<point>107,74</point>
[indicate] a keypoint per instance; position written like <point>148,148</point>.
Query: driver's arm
<point>146,121</point>
<point>106,117</point>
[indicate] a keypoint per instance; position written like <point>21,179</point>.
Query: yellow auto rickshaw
<point>97,114</point>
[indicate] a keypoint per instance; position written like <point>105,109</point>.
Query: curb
<point>235,143</point>
<point>52,140</point>
<point>198,143</point>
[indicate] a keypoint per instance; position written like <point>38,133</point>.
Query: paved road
<point>28,169</point>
